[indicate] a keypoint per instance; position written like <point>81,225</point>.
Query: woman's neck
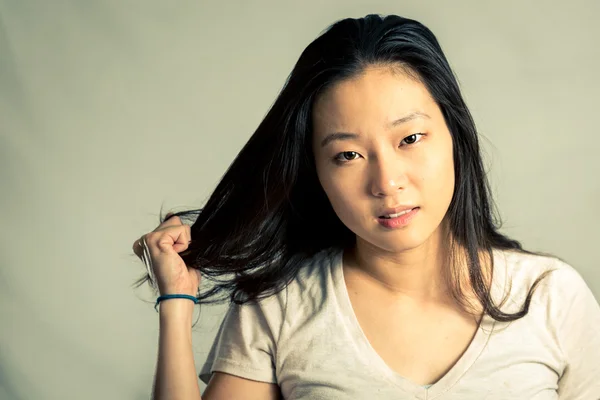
<point>418,273</point>
<point>424,275</point>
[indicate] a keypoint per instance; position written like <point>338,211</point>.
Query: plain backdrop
<point>110,109</point>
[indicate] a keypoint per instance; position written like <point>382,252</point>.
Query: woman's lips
<point>399,221</point>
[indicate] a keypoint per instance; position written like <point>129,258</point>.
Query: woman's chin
<point>394,243</point>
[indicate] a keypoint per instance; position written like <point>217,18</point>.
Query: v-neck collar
<point>461,367</point>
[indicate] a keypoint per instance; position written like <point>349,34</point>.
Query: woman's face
<point>382,147</point>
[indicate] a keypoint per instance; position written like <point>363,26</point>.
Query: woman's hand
<point>164,243</point>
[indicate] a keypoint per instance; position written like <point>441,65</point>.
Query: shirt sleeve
<point>246,343</point>
<point>578,334</point>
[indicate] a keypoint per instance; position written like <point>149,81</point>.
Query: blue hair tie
<point>174,296</point>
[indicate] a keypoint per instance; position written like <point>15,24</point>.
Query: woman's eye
<point>411,139</point>
<point>346,156</point>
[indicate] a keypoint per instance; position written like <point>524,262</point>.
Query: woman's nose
<point>387,178</point>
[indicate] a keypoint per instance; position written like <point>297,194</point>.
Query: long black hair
<point>269,214</point>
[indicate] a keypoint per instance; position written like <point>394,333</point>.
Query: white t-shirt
<point>307,340</point>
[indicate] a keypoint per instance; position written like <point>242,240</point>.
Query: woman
<point>354,234</point>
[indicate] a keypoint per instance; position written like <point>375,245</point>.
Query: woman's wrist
<point>176,309</point>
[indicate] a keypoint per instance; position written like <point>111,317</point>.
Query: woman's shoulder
<point>557,278</point>
<point>316,268</point>
<point>315,275</point>
<point>311,279</point>
<point>528,266</point>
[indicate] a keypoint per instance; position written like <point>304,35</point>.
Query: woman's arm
<point>175,376</point>
<point>579,337</point>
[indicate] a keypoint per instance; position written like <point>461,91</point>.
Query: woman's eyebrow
<point>413,115</point>
<point>332,137</point>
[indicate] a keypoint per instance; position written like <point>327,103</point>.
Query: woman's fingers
<point>159,251</point>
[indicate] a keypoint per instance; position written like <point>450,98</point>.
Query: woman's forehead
<point>374,97</point>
